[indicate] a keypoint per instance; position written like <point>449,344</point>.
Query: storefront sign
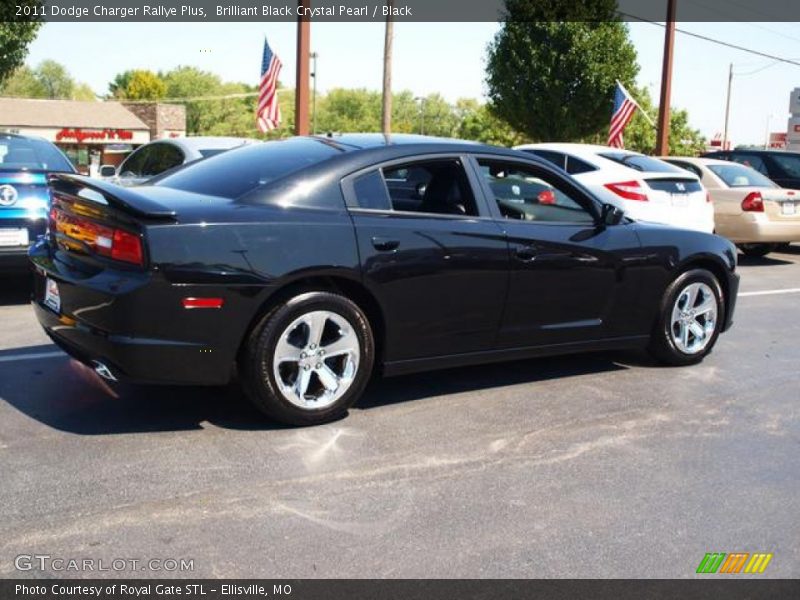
<point>80,135</point>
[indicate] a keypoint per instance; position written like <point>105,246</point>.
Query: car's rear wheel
<point>757,250</point>
<point>689,320</point>
<point>309,359</point>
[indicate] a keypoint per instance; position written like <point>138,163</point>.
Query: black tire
<point>757,250</point>
<point>662,345</point>
<point>258,377</point>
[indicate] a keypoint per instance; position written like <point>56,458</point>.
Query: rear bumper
<point>756,229</point>
<point>133,324</point>
<point>129,359</point>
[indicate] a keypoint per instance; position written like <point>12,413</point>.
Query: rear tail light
<point>753,202</point>
<point>629,190</point>
<point>76,231</point>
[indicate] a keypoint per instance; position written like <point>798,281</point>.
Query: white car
<point>162,155</point>
<point>645,188</point>
<point>750,210</point>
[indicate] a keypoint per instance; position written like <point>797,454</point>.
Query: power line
<point>196,98</point>
<point>718,42</point>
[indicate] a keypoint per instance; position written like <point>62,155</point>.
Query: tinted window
<point>435,186</point>
<point>687,167</point>
<point>751,160</point>
<point>134,164</point>
<point>576,166</point>
<point>638,162</point>
<point>162,158</point>
<point>789,164</point>
<point>370,191</point>
<point>237,172</point>
<point>740,176</point>
<point>525,194</point>
<point>557,158</point>
<point>25,153</point>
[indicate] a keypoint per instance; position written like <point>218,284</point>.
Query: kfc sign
<point>80,135</point>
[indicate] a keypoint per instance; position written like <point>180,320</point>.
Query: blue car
<point>24,194</point>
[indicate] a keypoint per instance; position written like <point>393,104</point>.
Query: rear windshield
<point>790,163</point>
<point>735,175</point>
<point>236,172</point>
<point>19,153</point>
<point>638,162</point>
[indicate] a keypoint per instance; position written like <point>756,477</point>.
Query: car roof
<point>698,160</point>
<point>753,151</point>
<point>574,148</point>
<point>362,141</point>
<point>208,142</point>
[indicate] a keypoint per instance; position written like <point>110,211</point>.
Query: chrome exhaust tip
<point>103,371</point>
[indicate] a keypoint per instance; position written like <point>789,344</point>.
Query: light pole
<point>662,138</point>
<point>727,108</point>
<point>314,56</point>
<point>766,132</point>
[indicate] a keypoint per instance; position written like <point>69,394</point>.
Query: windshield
<point>236,172</point>
<point>790,163</point>
<point>639,162</point>
<point>26,154</point>
<point>735,175</point>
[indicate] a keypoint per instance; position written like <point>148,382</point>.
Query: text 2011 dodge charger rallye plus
<point>304,265</point>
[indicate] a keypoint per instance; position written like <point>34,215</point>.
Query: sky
<point>448,58</point>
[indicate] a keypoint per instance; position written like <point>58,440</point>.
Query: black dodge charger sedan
<point>303,265</point>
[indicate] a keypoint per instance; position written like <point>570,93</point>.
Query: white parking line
<point>770,292</point>
<point>16,357</point>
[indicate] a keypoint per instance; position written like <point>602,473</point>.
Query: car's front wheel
<point>309,359</point>
<point>690,319</point>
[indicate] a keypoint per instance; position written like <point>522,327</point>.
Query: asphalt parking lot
<point>593,466</point>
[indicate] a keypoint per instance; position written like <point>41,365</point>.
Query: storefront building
<point>92,133</point>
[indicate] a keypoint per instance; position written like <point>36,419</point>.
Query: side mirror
<point>611,215</point>
<point>107,171</point>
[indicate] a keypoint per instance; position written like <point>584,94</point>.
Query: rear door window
<point>557,158</point>
<point>754,161</point>
<point>576,166</point>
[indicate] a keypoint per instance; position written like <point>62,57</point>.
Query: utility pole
<point>314,56</point>
<point>386,115</point>
<point>662,140</point>
<point>303,51</point>
<point>727,109</point>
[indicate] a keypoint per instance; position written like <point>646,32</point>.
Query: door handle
<point>526,253</point>
<point>385,244</point>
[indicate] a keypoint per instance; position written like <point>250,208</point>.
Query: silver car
<point>162,155</point>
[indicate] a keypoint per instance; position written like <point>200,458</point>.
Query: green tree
<point>553,78</point>
<point>15,37</point>
<point>23,84</point>
<point>477,122</point>
<point>48,80</point>
<point>144,85</point>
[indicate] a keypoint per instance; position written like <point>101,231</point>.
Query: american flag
<point>624,107</point>
<point>268,113</point>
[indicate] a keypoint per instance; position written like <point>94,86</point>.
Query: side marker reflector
<point>203,302</point>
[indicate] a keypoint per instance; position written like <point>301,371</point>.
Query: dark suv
<point>781,167</point>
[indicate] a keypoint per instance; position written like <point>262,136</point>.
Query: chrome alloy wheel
<point>316,359</point>
<point>694,318</point>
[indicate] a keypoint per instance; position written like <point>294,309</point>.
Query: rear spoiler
<point>115,196</point>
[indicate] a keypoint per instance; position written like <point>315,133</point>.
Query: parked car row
<point>732,197</point>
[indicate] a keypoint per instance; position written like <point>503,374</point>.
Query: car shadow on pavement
<point>382,392</point>
<point>66,395</point>
<point>765,261</point>
<point>15,289</point>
